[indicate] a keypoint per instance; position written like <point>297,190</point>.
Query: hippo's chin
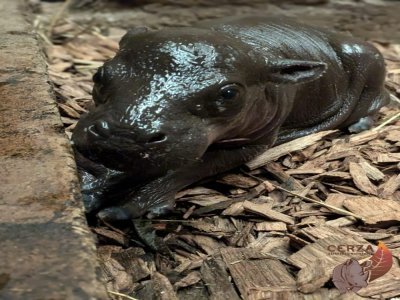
<point>135,162</point>
<point>128,163</point>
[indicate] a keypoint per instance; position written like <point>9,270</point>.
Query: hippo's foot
<point>92,191</point>
<point>92,201</point>
<point>362,125</point>
<point>138,206</point>
<point>129,211</point>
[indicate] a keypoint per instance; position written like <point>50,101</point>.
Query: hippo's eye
<point>229,92</point>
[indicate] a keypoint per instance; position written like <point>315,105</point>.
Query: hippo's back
<point>279,37</point>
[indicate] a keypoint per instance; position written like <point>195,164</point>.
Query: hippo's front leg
<point>157,197</point>
<point>95,180</point>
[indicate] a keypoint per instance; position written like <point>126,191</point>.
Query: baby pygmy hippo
<point>180,104</point>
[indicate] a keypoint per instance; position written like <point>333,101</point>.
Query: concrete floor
<point>47,251</point>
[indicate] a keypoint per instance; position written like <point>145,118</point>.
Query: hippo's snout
<point>105,129</point>
<point>153,146</point>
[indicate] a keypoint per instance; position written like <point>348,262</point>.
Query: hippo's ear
<point>295,71</point>
<point>131,33</point>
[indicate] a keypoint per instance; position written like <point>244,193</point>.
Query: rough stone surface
<point>47,251</point>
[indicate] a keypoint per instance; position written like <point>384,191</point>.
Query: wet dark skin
<point>177,105</point>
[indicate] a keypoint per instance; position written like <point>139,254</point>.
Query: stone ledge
<point>47,251</point>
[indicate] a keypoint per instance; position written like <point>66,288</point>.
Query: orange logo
<point>352,276</point>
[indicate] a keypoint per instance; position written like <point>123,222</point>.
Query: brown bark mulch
<point>265,230</point>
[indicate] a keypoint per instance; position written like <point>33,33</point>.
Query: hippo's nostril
<point>157,138</point>
<point>100,128</point>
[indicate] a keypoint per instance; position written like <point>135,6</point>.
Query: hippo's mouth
<point>115,152</point>
<point>228,143</point>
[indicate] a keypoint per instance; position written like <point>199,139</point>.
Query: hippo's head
<point>167,96</point>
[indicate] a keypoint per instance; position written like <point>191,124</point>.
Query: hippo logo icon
<point>352,276</point>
